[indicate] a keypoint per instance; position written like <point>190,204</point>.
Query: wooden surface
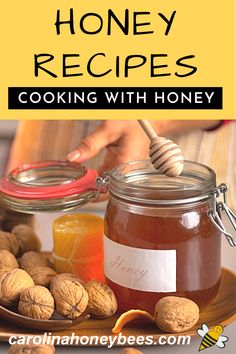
<point>222,310</point>
<point>54,324</point>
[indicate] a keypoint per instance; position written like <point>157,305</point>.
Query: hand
<point>124,140</point>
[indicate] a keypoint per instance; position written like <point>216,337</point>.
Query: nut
<point>102,300</point>
<point>36,302</point>
<point>130,351</point>
<point>70,297</point>
<point>31,260</point>
<point>176,314</point>
<point>9,242</point>
<point>27,238</point>
<point>65,276</point>
<point>8,260</point>
<point>42,275</point>
<point>31,349</point>
<point>11,285</point>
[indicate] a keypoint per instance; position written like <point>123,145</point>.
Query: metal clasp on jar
<point>102,183</point>
<point>218,208</point>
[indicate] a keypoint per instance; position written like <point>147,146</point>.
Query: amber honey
<point>139,224</point>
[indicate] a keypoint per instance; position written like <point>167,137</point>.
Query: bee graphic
<point>210,338</point>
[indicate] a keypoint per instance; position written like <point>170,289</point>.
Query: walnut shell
<point>31,260</point>
<point>102,300</point>
<point>27,238</point>
<point>3,274</point>
<point>70,297</point>
<point>42,275</point>
<point>4,271</point>
<point>36,302</point>
<point>8,260</point>
<point>32,349</point>
<point>176,314</point>
<point>9,242</point>
<point>11,285</point>
<point>65,276</point>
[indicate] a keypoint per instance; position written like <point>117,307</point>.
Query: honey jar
<point>162,235</point>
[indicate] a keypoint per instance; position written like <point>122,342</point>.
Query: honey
<point>156,246</point>
<point>78,246</point>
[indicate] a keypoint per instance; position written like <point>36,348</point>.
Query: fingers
<point>90,146</point>
<point>124,140</point>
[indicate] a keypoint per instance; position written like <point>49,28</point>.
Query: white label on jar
<point>140,269</point>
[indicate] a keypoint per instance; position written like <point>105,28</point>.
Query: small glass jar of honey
<point>159,239</point>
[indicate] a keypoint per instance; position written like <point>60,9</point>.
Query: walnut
<point>65,276</point>
<point>102,301</point>
<point>27,238</point>
<point>31,260</point>
<point>11,285</point>
<point>176,314</point>
<point>8,260</point>
<point>70,297</point>
<point>36,302</point>
<point>130,351</point>
<point>32,349</point>
<point>42,275</point>
<point>9,242</point>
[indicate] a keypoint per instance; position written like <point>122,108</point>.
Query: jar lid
<point>48,186</point>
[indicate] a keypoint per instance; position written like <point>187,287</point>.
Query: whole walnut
<point>31,349</point>
<point>11,285</point>
<point>36,302</point>
<point>65,276</point>
<point>102,300</point>
<point>9,242</point>
<point>70,297</point>
<point>176,314</point>
<point>42,275</point>
<point>31,260</point>
<point>27,238</point>
<point>8,260</point>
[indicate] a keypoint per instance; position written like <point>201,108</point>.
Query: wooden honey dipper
<point>165,155</point>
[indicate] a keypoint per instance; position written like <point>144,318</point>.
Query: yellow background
<point>204,28</point>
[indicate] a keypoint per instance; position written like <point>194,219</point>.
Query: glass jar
<point>159,239</point>
<point>48,186</point>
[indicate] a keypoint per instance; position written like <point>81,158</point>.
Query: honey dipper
<point>165,155</point>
